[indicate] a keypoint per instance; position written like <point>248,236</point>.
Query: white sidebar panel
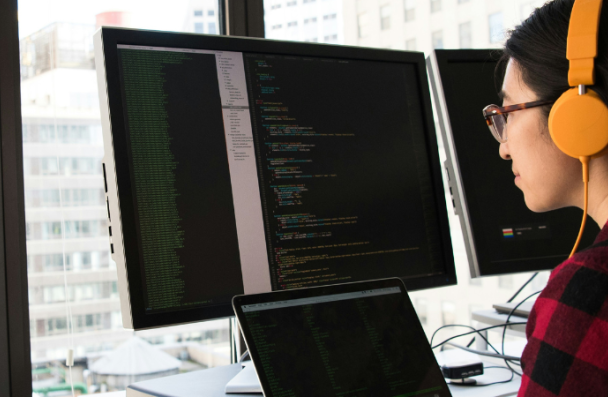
<point>243,173</point>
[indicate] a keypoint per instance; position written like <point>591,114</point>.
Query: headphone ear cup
<point>578,124</point>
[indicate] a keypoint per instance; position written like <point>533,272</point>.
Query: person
<point>567,331</point>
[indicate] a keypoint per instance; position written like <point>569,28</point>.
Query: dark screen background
<point>344,170</point>
<point>495,204</point>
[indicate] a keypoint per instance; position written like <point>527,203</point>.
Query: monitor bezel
<point>111,37</point>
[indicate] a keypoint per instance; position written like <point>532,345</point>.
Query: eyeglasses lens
<point>499,127</point>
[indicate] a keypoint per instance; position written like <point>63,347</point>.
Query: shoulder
<point>568,329</point>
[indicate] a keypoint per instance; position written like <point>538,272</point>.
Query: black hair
<point>538,46</point>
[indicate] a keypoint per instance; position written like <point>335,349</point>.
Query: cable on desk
<point>522,287</point>
<point>504,332</point>
<point>482,353</point>
<point>478,331</point>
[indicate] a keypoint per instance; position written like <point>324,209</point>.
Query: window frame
<point>237,17</point>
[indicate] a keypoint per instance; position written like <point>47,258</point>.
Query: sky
<point>145,14</point>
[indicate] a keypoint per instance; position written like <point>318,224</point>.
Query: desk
<point>211,383</point>
<point>491,317</point>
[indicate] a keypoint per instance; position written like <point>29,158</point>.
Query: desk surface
<point>211,383</point>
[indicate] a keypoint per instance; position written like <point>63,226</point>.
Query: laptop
<point>356,339</point>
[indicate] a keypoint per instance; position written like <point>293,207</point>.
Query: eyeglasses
<point>496,117</point>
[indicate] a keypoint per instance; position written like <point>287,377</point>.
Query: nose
<point>503,151</point>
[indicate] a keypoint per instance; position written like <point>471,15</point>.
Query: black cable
<point>522,287</point>
<point>478,331</point>
<point>483,353</point>
<point>464,326</point>
<point>504,331</point>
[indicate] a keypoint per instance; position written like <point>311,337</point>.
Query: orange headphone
<point>578,122</point>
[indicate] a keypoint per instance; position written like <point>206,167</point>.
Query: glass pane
<point>67,234</point>
<point>419,25</point>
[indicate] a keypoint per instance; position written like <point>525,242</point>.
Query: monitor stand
<point>245,381</point>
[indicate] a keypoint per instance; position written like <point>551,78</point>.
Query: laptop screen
<point>340,341</point>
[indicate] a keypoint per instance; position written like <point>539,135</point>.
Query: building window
<point>385,17</point>
<point>495,21</point>
<point>309,1</point>
<point>211,13</point>
<point>410,45</point>
<point>410,10</point>
<point>291,3</point>
<point>292,24</point>
<point>198,13</point>
<point>199,27</point>
<point>465,35</point>
<point>448,313</point>
<point>437,39</point>
<point>462,1</point>
<point>329,17</point>
<point>275,27</point>
<point>435,5</point>
<point>211,27</point>
<point>363,25</point>
<point>275,6</point>
<point>422,310</point>
<point>310,20</point>
<point>505,282</point>
<point>331,38</point>
<point>312,40</point>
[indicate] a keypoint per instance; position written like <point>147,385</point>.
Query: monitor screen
<point>246,166</point>
<point>501,234</point>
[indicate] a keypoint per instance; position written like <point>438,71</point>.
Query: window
<point>410,10</point>
<point>275,27</point>
<point>291,3</point>
<point>437,39</point>
<point>410,45</point>
<point>275,6</point>
<point>198,13</point>
<point>329,17</point>
<point>199,27</point>
<point>465,35</point>
<point>211,13</point>
<point>462,1</point>
<point>505,282</point>
<point>385,17</point>
<point>495,22</point>
<point>310,20</point>
<point>421,307</point>
<point>448,313</point>
<point>292,24</point>
<point>362,25</point>
<point>211,27</point>
<point>330,38</point>
<point>312,40</point>
<point>435,5</point>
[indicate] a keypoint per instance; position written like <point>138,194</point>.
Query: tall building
<point>317,21</point>
<point>422,25</point>
<point>202,17</point>
<point>66,229</point>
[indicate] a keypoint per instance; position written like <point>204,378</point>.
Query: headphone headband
<point>582,41</point>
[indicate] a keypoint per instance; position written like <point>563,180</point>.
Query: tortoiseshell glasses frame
<point>496,117</point>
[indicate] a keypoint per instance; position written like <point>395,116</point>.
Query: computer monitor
<point>501,234</point>
<point>237,165</point>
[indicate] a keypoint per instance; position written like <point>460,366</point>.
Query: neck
<point>599,213</point>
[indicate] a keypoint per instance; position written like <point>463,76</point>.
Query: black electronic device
<point>501,234</point>
<point>237,165</point>
<point>355,339</point>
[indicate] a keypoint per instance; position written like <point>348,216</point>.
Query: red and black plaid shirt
<point>567,351</point>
